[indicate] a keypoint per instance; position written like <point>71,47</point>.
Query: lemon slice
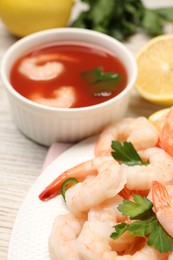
<point>155,70</point>
<point>158,118</point>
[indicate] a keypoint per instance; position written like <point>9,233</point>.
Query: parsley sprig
<point>101,80</point>
<point>126,153</point>
<point>146,224</point>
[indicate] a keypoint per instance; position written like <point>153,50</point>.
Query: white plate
<point>29,240</point>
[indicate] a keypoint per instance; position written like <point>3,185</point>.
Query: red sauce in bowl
<point>77,59</point>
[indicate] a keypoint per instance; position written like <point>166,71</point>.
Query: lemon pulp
<point>155,70</point>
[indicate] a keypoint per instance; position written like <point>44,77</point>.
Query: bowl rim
<point>6,83</point>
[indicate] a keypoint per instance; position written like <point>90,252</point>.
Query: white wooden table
<point>21,159</point>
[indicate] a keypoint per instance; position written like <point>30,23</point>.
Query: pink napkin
<point>54,151</point>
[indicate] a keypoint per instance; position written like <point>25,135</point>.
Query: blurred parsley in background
<point>122,18</point>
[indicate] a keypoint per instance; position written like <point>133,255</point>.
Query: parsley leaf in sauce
<point>101,81</point>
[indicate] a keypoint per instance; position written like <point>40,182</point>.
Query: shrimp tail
<point>160,196</point>
<point>80,172</point>
<point>53,189</point>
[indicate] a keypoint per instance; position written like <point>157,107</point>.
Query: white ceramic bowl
<point>47,125</point>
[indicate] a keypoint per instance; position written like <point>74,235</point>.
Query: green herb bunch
<point>122,18</point>
<point>145,224</point>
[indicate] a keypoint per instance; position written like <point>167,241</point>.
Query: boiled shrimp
<point>163,206</point>
<point>170,257</point>
<point>139,131</point>
<point>93,243</point>
<point>62,239</point>
<point>63,97</point>
<point>45,66</point>
<point>160,168</point>
<point>107,211</point>
<point>80,172</point>
<point>107,183</point>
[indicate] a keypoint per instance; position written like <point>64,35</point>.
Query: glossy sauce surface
<point>83,59</point>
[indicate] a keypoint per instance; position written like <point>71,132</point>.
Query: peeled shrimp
<point>42,67</point>
<point>63,97</point>
<point>160,168</point>
<point>94,243</point>
<point>107,183</point>
<point>62,239</point>
<point>107,211</point>
<point>81,172</point>
<point>170,256</point>
<point>163,206</point>
<point>139,131</point>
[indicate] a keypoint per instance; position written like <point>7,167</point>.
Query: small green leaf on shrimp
<point>146,224</point>
<point>126,153</point>
<point>136,209</point>
<point>120,229</point>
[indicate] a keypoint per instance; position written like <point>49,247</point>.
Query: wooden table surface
<point>21,159</point>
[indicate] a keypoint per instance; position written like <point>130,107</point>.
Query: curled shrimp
<point>63,97</point>
<point>93,243</point>
<point>80,172</point>
<point>45,66</point>
<point>139,131</point>
<point>93,191</point>
<point>107,211</point>
<point>160,167</point>
<point>163,206</point>
<point>62,239</point>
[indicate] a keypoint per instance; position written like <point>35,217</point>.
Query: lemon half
<point>158,118</point>
<point>23,17</point>
<point>155,70</point>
